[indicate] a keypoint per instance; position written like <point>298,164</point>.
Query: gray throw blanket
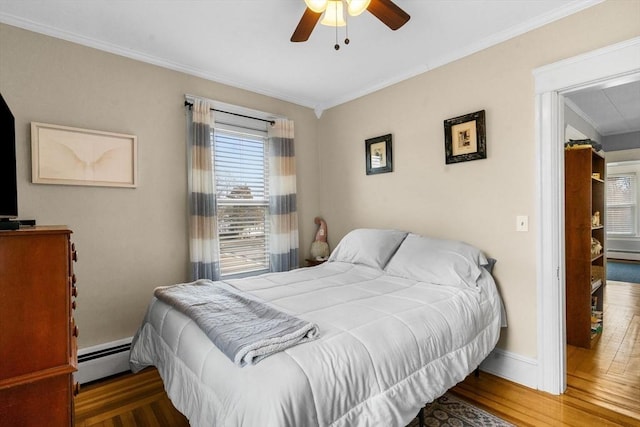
<point>245,329</point>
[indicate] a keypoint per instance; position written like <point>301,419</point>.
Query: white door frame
<point>608,66</point>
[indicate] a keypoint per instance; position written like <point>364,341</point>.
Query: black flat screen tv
<point>8,181</point>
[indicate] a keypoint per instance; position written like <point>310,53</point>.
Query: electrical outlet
<point>522,223</point>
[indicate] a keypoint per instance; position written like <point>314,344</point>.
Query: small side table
<point>313,262</point>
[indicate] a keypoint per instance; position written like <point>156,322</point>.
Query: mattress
<point>387,346</point>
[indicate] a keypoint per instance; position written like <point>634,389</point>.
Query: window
<point>621,204</point>
<point>242,188</point>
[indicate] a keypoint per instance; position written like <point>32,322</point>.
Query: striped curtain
<point>283,244</point>
<point>204,252</point>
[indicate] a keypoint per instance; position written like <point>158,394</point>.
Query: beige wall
<point>623,155</point>
<point>476,201</point>
<point>129,240</point>
<point>133,240</point>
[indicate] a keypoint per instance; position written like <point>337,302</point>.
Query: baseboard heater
<point>613,254</point>
<point>103,360</point>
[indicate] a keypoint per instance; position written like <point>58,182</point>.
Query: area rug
<point>449,411</point>
<point>623,271</point>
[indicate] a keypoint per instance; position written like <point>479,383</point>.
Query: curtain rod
<point>271,122</point>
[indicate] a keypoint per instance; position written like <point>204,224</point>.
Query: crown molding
<point>143,57</point>
<point>482,44</point>
<point>318,105</point>
<point>574,107</point>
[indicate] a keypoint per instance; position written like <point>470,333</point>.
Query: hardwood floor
<point>603,384</point>
<point>127,400</point>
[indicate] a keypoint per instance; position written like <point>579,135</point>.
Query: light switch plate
<point>522,223</point>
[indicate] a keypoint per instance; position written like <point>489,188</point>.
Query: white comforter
<point>387,346</point>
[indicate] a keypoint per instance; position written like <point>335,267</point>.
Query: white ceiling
<point>610,110</point>
<point>245,43</point>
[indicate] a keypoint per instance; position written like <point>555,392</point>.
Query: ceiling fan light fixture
<point>334,14</point>
<point>318,6</point>
<point>356,7</point>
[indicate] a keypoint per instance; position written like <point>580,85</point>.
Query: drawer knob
<point>73,279</point>
<point>74,291</point>
<point>74,256</point>
<point>73,305</point>
<point>76,331</point>
<point>76,388</point>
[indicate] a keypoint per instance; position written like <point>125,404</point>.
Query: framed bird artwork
<point>74,156</point>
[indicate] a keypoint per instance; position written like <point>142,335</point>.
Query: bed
<point>402,318</point>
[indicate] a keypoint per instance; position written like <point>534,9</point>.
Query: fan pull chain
<point>346,29</point>
<point>336,46</point>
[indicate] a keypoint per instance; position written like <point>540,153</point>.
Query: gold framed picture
<point>465,138</point>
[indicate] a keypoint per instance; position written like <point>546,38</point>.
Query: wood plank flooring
<point>127,400</point>
<point>603,384</point>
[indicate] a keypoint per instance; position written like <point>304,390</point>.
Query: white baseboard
<point>112,358</point>
<point>512,366</point>
<point>103,360</point>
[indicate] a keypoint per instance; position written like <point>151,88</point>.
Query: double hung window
<point>242,189</point>
<point>621,205</point>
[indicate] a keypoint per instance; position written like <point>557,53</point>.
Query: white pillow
<point>366,246</point>
<point>439,261</point>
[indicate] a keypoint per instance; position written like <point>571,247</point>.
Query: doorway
<point>604,357</point>
<point>612,65</point>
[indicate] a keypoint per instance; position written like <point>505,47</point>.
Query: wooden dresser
<point>38,348</point>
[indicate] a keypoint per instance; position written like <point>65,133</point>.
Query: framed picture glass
<point>378,154</point>
<point>465,138</point>
<point>65,155</point>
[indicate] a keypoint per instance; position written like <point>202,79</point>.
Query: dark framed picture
<point>465,138</point>
<point>378,154</point>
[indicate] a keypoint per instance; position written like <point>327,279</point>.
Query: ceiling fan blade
<point>389,13</point>
<point>305,26</point>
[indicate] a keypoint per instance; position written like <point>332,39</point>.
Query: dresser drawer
<point>38,341</point>
<point>34,302</point>
<point>47,402</point>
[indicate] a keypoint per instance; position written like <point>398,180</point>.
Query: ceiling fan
<point>385,10</point>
